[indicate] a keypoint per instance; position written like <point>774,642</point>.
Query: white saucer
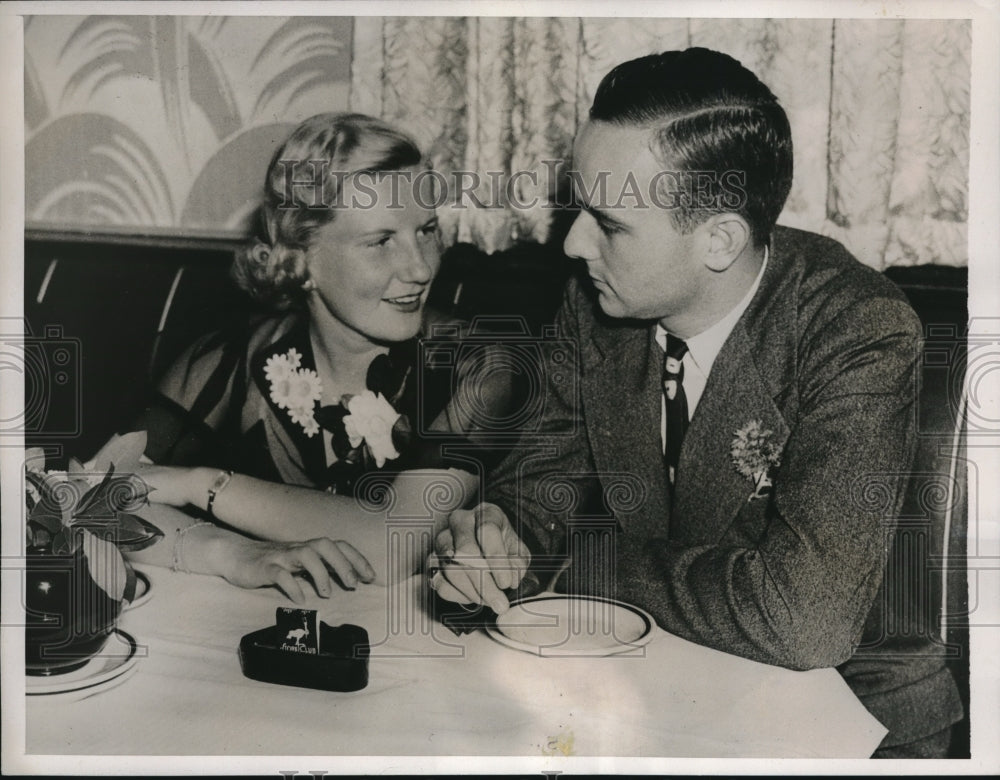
<point>572,626</point>
<point>143,591</point>
<point>111,666</point>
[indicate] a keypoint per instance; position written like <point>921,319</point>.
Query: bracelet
<point>177,563</point>
<point>218,486</point>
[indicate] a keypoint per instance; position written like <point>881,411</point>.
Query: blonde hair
<point>273,268</point>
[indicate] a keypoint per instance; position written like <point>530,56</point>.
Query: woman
<point>329,390</point>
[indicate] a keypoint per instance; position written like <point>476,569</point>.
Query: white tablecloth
<point>433,693</point>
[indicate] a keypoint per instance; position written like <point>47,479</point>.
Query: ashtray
<point>301,651</point>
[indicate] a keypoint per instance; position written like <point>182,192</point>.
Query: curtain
<point>879,113</point>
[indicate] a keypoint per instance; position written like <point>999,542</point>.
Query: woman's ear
<point>727,236</point>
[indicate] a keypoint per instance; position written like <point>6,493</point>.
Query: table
<point>432,693</point>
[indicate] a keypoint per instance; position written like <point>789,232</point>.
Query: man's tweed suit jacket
<point>824,358</point>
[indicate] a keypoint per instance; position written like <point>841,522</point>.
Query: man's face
<point>641,265</point>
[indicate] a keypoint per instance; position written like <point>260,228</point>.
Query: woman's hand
<point>176,485</point>
<point>252,563</point>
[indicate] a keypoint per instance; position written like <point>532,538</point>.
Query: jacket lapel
<point>751,380</point>
<point>311,449</point>
<point>622,403</point>
<point>709,491</point>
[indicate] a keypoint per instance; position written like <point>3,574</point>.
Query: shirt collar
<point>705,346</point>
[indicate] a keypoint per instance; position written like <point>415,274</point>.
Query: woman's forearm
<point>188,544</point>
<point>417,511</point>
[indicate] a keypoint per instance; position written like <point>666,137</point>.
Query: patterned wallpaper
<point>165,124</point>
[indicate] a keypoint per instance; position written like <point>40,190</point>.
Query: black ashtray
<point>330,658</point>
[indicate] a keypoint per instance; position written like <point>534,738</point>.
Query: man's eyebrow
<point>602,216</point>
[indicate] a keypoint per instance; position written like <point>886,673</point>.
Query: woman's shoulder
<point>221,352</point>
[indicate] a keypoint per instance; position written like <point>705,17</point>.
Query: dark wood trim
<point>191,242</point>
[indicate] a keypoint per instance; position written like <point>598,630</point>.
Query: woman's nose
<point>417,264</point>
<point>580,243</point>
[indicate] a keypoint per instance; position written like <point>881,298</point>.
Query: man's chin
<point>610,305</point>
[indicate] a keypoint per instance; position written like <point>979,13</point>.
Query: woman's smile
<point>406,303</point>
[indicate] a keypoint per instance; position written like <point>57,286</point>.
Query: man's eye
<point>607,228</point>
<point>382,241</point>
<point>429,229</point>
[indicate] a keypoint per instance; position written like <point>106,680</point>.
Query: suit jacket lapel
<point>710,491</point>
<point>750,380</point>
<point>622,404</point>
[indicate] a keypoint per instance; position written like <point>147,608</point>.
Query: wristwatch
<point>217,487</point>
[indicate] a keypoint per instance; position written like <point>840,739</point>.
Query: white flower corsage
<point>755,455</point>
<point>294,388</point>
<point>370,421</point>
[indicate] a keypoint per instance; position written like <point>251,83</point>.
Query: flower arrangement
<point>367,419</point>
<point>754,455</point>
<point>81,509</point>
<point>294,389</point>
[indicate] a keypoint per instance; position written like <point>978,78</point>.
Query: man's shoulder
<point>819,261</point>
<point>827,279</point>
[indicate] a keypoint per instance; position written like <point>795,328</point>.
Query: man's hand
<point>476,557</point>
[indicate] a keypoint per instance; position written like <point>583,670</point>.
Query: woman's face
<point>374,263</point>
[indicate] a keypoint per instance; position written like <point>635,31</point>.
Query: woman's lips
<point>406,303</point>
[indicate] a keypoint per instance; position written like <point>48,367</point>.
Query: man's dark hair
<point>708,113</point>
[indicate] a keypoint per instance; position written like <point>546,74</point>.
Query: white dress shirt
<point>703,348</point>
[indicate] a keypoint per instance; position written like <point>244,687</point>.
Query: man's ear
<point>726,236</point>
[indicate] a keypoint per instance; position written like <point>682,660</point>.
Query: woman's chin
<point>399,326</point>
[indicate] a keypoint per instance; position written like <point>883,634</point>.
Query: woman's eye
<point>382,241</point>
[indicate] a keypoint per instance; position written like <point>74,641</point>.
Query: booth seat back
<point>104,318</point>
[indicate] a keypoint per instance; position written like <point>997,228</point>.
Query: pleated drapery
<point>879,113</point>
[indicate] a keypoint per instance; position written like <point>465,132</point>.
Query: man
<point>751,380</point>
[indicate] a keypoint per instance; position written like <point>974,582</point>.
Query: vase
<point>69,617</point>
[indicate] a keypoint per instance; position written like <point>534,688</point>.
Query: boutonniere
<point>754,455</point>
<point>294,389</point>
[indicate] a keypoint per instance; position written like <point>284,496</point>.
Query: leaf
<point>34,460</point>
<point>39,536</point>
<point>130,584</point>
<point>95,502</point>
<point>136,533</point>
<point>43,485</point>
<point>76,467</point>
<point>129,532</point>
<point>121,451</point>
<point>46,516</point>
<point>48,511</point>
<point>105,564</point>
<point>65,542</point>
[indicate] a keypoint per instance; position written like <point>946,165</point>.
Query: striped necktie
<point>676,403</point>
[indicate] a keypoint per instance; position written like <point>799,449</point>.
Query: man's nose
<point>580,242</point>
